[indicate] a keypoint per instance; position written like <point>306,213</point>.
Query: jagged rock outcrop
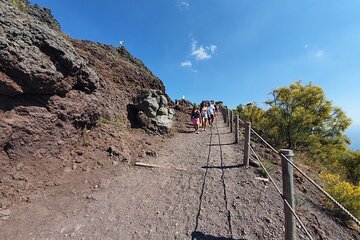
<point>63,102</point>
<point>153,112</point>
<point>35,59</point>
<point>44,15</point>
<point>183,104</point>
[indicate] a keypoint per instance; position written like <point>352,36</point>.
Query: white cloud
<point>186,63</point>
<point>193,45</point>
<point>213,48</point>
<point>202,53</point>
<point>319,54</point>
<point>185,4</point>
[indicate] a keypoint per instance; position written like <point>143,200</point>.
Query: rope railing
<point>324,192</point>
<point>248,149</point>
<point>311,181</point>
<point>282,196</point>
<point>268,144</point>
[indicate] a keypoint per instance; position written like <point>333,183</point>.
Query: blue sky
<point>236,51</point>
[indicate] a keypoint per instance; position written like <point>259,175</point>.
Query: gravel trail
<point>201,192</point>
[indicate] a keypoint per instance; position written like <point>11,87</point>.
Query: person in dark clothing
<point>195,118</point>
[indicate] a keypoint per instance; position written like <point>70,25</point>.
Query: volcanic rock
<point>35,59</point>
<point>153,112</point>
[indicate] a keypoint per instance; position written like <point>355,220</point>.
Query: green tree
<point>251,113</point>
<point>302,117</point>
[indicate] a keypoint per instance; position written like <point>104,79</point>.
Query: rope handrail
<point>312,181</point>
<point>323,191</point>
<point>268,144</point>
<point>282,196</point>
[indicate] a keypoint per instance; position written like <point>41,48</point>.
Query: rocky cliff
<point>63,103</point>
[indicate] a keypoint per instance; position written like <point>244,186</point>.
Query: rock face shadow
<point>201,236</point>
<point>8,103</point>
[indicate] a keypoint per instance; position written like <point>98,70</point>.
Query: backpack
<point>196,114</point>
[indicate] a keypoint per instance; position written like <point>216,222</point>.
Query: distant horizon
<point>353,133</point>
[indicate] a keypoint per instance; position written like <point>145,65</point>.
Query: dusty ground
<point>202,193</point>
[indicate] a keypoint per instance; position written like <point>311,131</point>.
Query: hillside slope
<point>63,102</point>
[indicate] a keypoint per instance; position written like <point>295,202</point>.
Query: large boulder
<point>153,112</point>
<point>38,59</point>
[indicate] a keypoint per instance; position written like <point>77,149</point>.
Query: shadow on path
<point>196,235</point>
<point>223,167</point>
<point>201,236</point>
<point>224,185</point>
<point>203,187</point>
<point>186,131</point>
<point>222,144</point>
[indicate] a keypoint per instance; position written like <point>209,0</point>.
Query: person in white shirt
<point>211,113</point>
<point>204,114</point>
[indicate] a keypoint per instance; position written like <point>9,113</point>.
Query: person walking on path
<point>211,113</point>
<point>204,114</point>
<point>195,118</point>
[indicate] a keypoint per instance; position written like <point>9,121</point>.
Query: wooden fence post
<point>228,117</point>
<point>236,129</point>
<point>288,192</point>
<point>224,114</point>
<point>231,120</point>
<point>247,144</point>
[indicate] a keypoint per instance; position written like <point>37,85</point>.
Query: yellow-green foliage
<point>116,123</point>
<point>86,138</point>
<point>19,4</point>
<point>251,113</point>
<point>347,194</point>
<point>350,163</point>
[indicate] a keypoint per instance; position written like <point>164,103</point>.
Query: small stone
<point>267,220</point>
<point>79,160</point>
<point>113,151</point>
<point>80,153</point>
<point>5,214</point>
<point>90,197</point>
<point>151,153</point>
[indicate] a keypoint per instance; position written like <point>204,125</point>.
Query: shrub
<point>20,5</point>
<point>116,123</point>
<point>347,194</point>
<point>269,167</point>
<point>86,138</point>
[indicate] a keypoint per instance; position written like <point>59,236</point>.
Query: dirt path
<point>213,198</point>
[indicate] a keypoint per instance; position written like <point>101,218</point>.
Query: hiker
<point>211,113</point>
<point>195,118</point>
<point>204,114</point>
